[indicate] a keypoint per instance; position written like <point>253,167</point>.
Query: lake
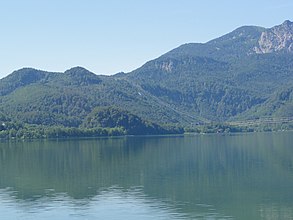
<point>242,176</point>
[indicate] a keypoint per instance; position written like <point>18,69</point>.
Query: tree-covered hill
<point>245,74</point>
<point>112,117</point>
<point>278,105</point>
<point>223,78</point>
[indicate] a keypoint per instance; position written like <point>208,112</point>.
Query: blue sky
<point>109,36</point>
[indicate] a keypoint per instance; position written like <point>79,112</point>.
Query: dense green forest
<point>203,88</point>
<point>105,121</point>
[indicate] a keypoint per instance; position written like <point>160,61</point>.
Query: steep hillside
<point>225,77</point>
<point>278,105</point>
<point>67,98</point>
<point>245,74</point>
<point>239,43</point>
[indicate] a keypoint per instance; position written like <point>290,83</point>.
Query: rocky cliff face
<point>276,39</point>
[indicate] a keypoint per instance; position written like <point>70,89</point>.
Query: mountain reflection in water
<point>191,177</point>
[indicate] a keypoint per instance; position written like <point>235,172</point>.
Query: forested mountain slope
<point>225,77</point>
<point>245,74</point>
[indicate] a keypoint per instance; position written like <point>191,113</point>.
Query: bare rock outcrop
<point>276,39</point>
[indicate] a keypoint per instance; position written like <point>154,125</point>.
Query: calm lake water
<point>243,176</point>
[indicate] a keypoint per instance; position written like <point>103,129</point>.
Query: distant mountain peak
<point>20,78</point>
<point>82,76</point>
<point>27,75</point>
<point>78,70</point>
<point>276,39</point>
<point>287,23</point>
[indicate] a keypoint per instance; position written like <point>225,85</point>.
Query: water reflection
<point>200,177</point>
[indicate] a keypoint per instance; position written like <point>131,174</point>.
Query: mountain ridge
<point>222,80</point>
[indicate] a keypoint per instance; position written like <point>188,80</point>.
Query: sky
<point>111,36</point>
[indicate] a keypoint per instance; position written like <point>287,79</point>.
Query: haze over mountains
<point>245,74</point>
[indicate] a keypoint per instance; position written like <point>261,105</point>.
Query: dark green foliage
<point>20,78</point>
<point>79,76</point>
<point>278,105</point>
<point>220,81</point>
<point>38,132</point>
<point>110,117</point>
